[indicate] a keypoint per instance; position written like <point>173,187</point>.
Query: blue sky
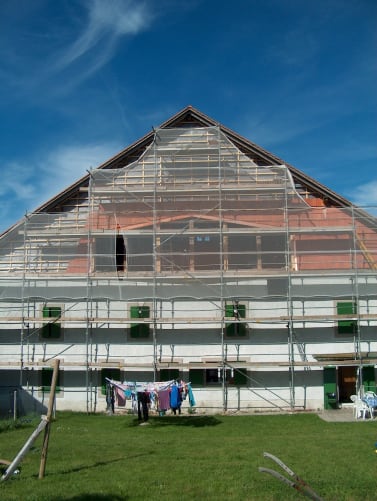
<point>82,79</point>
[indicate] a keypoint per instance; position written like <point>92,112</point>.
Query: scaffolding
<point>193,257</point>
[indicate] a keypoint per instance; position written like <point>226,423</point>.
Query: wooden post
<point>17,460</point>
<point>50,409</point>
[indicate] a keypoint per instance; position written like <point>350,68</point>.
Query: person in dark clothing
<point>142,405</point>
<point>110,399</point>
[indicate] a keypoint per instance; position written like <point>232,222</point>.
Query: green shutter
<point>139,330</point>
<point>229,310</point>
<point>346,326</point>
<point>240,377</point>
<point>46,378</point>
<point>369,378</point>
<point>168,374</point>
<point>235,329</point>
<point>330,387</point>
<point>111,374</point>
<point>53,328</point>
<point>196,377</point>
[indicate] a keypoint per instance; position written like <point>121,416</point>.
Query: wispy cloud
<point>106,23</point>
<point>68,53</point>
<point>25,186</point>
<point>365,195</point>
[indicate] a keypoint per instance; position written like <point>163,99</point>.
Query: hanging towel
<point>121,397</point>
<point>191,396</point>
<point>163,400</point>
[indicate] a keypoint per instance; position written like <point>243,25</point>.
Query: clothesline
<point>158,395</point>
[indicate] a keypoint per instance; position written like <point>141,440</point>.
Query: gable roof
<point>191,117</point>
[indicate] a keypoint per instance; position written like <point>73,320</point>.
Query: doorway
<point>347,376</point>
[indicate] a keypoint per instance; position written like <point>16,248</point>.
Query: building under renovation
<point>193,254</point>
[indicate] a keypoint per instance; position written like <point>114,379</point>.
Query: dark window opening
<point>215,376</point>
<point>120,251</point>
<point>109,253</point>
<point>110,373</point>
<point>46,379</point>
<point>202,377</point>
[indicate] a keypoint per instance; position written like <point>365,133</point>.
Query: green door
<point>369,378</point>
<point>330,388</point>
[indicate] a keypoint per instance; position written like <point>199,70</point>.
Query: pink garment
<point>121,397</point>
<point>163,400</point>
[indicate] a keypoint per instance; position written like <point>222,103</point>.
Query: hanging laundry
<point>121,397</point>
<point>163,400</point>
<point>149,396</point>
<point>191,396</point>
<point>175,399</point>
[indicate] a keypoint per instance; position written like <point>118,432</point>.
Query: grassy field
<point>111,458</point>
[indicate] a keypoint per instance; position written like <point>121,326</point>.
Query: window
<point>112,373</point>
<point>51,329</point>
<point>346,326</point>
<point>140,253</point>
<point>46,378</point>
<point>235,328</point>
<point>242,252</point>
<point>206,252</point>
<point>120,253</point>
<point>213,376</point>
<point>109,253</point>
<point>174,252</point>
<point>240,377</point>
<point>202,377</point>
<point>139,330</point>
<point>273,251</point>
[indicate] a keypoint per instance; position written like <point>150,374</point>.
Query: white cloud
<point>107,22</point>
<point>65,165</point>
<point>365,195</point>
<point>25,187</point>
<point>70,51</point>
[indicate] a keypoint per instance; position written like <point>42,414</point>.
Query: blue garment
<point>191,396</point>
<point>175,399</point>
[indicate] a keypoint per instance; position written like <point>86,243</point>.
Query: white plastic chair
<point>360,408</point>
<point>371,395</point>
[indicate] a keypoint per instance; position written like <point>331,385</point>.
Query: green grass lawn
<point>101,457</point>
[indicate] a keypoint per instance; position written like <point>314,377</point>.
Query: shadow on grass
<point>98,464</point>
<point>194,421</point>
<point>93,497</point>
